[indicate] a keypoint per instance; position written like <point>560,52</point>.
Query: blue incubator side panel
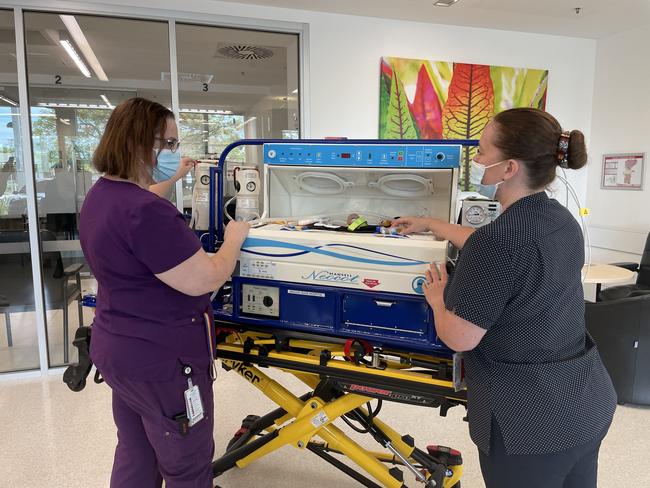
<point>391,320</point>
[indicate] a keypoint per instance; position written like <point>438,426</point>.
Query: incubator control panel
<point>368,156</point>
<point>260,300</point>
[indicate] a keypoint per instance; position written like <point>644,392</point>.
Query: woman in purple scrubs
<point>151,337</point>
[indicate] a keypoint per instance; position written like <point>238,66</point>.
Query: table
<point>608,274</point>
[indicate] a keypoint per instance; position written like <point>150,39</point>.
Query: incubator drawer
<point>386,316</point>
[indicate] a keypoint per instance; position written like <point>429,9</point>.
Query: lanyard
<point>208,328</point>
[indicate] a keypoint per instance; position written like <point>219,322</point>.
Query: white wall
<point>345,52</point>
<point>620,219</point>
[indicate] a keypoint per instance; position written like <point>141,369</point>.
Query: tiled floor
<point>53,437</point>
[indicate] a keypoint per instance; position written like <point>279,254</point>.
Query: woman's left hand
<point>186,165</point>
<point>434,287</point>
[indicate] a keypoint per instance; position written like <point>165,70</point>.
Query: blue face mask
<point>167,166</point>
<point>476,173</point>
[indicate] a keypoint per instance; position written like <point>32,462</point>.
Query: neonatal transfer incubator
<point>326,290</point>
<point>323,258</point>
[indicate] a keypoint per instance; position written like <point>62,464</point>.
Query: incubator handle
<point>340,187</point>
<point>383,185</point>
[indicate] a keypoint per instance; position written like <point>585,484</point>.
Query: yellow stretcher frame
<point>308,422</point>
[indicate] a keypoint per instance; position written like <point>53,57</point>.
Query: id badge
<point>193,403</point>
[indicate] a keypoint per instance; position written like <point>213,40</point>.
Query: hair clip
<point>563,149</point>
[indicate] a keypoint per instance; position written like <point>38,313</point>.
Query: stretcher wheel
<point>246,425</point>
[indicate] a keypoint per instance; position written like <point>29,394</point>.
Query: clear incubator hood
<point>313,195</point>
<point>334,193</point>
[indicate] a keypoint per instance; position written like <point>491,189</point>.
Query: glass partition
<point>79,68</point>
<point>234,84</point>
<point>18,338</point>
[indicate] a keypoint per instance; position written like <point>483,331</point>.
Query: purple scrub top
<point>143,329</point>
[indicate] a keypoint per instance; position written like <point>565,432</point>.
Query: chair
<point>621,329</point>
<point>62,285</point>
<point>642,285</point>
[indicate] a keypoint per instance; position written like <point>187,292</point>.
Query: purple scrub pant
<point>150,447</point>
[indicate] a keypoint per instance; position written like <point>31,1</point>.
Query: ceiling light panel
<point>107,102</point>
<point>80,40</point>
<point>9,100</point>
<point>74,55</point>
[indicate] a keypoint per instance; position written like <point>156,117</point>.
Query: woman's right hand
<point>236,232</point>
<point>412,225</point>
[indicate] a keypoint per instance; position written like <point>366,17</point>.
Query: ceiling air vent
<point>244,51</point>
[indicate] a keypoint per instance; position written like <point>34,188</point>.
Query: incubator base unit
<point>394,320</point>
<point>323,258</point>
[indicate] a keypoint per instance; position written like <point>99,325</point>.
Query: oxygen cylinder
<point>247,182</point>
<point>201,196</point>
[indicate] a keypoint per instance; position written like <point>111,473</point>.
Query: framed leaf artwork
<point>421,99</point>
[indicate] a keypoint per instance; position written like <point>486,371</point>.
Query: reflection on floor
<point>69,438</point>
<point>24,353</point>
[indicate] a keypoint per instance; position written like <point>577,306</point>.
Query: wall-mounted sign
<point>623,171</point>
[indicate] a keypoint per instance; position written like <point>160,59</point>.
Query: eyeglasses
<point>171,143</point>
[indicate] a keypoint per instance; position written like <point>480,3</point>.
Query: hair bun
<point>577,150</point>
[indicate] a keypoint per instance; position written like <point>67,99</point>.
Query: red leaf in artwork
<point>387,73</point>
<point>386,69</point>
<point>426,108</point>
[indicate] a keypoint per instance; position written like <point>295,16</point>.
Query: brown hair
<point>532,136</point>
<point>129,134</point>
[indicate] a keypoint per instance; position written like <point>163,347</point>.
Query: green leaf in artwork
<point>399,122</point>
<point>384,99</point>
<point>536,92</point>
<point>517,87</point>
